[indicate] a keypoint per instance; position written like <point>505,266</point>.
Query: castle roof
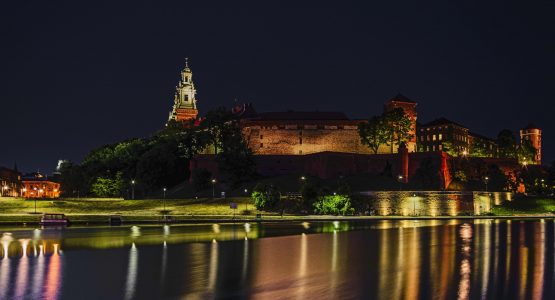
<point>402,98</point>
<point>442,121</point>
<point>301,115</point>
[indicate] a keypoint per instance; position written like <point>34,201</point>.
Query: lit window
<point>440,147</point>
<point>434,137</point>
<point>440,137</point>
<point>434,148</point>
<point>428,138</point>
<point>421,138</point>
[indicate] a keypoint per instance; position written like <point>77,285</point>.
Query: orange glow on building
<point>37,185</point>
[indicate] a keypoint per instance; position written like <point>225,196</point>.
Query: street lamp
<point>165,199</point>
<point>246,195</point>
<point>213,188</point>
<point>486,179</point>
<point>35,189</point>
<point>400,179</point>
<point>133,189</point>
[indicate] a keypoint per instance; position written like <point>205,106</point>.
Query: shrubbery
<point>334,205</point>
<point>265,196</point>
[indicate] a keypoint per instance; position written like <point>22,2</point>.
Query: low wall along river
<point>433,203</point>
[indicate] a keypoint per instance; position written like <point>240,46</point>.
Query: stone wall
<point>296,138</point>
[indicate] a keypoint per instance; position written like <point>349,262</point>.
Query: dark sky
<point>77,75</point>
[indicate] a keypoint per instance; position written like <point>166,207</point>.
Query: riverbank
<point>15,211</point>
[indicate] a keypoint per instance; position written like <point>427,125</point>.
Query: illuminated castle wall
<point>300,133</point>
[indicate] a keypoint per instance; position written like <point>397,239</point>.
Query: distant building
<point>446,135</point>
<point>10,182</point>
<point>534,134</point>
<point>185,103</point>
<point>37,185</point>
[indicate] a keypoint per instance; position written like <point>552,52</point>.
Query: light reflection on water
<point>441,259</point>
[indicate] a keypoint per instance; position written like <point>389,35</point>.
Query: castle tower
<point>409,106</point>
<point>534,135</point>
<point>185,103</point>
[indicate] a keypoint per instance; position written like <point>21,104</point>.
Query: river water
<point>392,259</point>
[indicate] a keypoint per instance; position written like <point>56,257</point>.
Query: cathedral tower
<point>185,102</point>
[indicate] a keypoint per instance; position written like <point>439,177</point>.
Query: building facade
<point>185,103</point>
<point>36,185</point>
<point>445,135</point>
<point>10,182</point>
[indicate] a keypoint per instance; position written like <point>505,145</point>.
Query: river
<point>389,259</point>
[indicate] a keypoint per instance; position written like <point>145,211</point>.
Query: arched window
<point>186,97</point>
<point>186,78</point>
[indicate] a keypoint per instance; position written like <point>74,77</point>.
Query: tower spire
<point>185,102</point>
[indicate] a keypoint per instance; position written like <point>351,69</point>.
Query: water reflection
<point>480,259</point>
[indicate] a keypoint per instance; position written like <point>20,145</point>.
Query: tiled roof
<point>442,121</point>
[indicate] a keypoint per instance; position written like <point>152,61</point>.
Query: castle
<point>294,142</point>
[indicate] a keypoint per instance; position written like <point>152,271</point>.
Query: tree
<point>265,196</point>
<point>479,149</point>
<point>449,148</point>
<point>72,180</point>
<point>506,143</point>
<point>398,125</point>
<point>107,187</point>
<point>374,133</point>
<point>334,205</point>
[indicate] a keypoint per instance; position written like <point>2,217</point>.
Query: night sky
<point>77,75</point>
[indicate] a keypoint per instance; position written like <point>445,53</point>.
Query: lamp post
<point>133,189</point>
<point>400,179</point>
<point>164,201</point>
<point>486,179</point>
<point>213,188</point>
<point>246,202</point>
<point>35,189</point>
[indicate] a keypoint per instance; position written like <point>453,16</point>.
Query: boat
<point>54,219</point>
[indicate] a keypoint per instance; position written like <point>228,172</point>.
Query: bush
<point>107,187</point>
<point>334,205</point>
<point>265,196</point>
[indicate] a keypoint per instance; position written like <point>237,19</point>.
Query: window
<point>261,145</point>
<point>434,148</point>
<point>261,136</point>
<point>440,137</point>
<point>421,138</point>
<point>186,97</point>
<point>434,137</point>
<point>428,138</point>
<point>186,78</point>
<point>440,147</point>
<point>427,148</point>
<point>301,140</point>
